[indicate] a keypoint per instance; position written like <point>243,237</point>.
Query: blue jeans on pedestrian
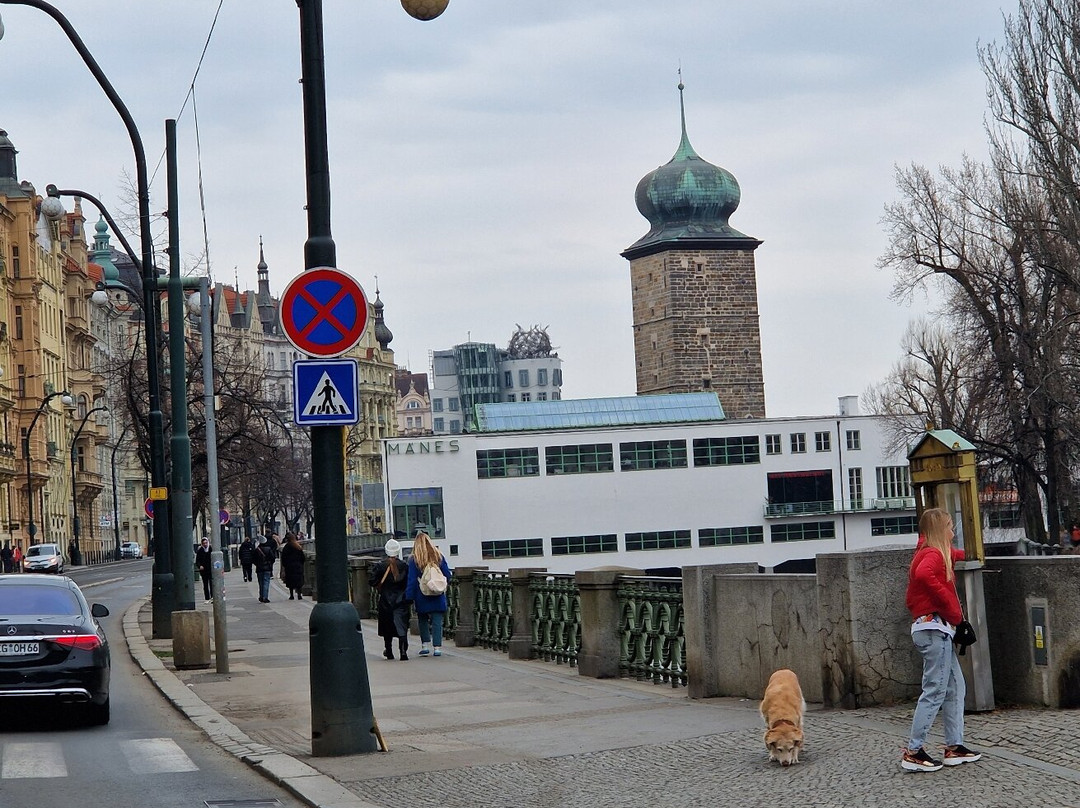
<point>431,627</point>
<point>264,584</point>
<point>943,688</point>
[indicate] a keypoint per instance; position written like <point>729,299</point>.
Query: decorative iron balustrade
<point>555,618</point>
<point>494,610</point>
<point>450,622</point>
<point>651,630</point>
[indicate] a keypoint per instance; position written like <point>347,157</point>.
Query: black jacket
<point>246,551</point>
<point>264,558</point>
<point>202,559</point>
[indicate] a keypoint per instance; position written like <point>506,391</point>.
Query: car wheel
<point>98,714</point>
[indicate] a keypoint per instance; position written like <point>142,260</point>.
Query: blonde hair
<point>933,526</point>
<point>425,552</point>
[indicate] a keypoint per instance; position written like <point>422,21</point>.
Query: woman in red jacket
<point>935,610</point>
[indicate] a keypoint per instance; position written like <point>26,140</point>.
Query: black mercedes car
<point>51,644</point>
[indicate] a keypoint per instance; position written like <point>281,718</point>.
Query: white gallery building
<point>653,482</point>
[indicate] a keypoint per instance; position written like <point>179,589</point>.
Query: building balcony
<point>8,463</point>
<point>787,509</point>
<point>88,485</point>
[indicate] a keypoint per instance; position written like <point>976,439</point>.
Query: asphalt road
<point>147,756</point>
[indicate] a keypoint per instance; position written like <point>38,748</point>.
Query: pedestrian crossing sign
<point>324,392</point>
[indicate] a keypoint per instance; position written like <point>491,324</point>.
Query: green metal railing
<point>651,630</point>
<point>494,610</point>
<point>555,618</point>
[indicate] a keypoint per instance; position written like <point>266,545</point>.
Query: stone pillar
<point>520,646</point>
<point>191,639</point>
<point>359,587</point>
<point>701,624</point>
<point>465,633</point>
<point>600,621</point>
<point>976,659</point>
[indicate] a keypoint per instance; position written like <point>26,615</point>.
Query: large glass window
<point>727,451</point>
<point>493,463</point>
<point>855,492</point>
<point>541,376</point>
<point>893,525</point>
<point>805,531</point>
<point>725,536</point>
<point>523,378</point>
<point>439,424</point>
<point>586,458</point>
<point>1003,516</point>
<point>893,482</point>
<point>508,379</point>
<point>436,405</point>
<point>574,545</point>
<point>800,492</point>
<point>512,548</point>
<point>418,506</point>
<point>453,404</point>
<point>652,454</point>
<point>658,540</point>
<point>556,377</point>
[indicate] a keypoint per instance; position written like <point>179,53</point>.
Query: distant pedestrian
<point>7,557</point>
<point>17,556</point>
<point>390,577</point>
<point>430,609</point>
<point>204,563</point>
<point>265,556</point>
<point>246,553</point>
<point>1074,536</point>
<point>292,566</point>
<point>935,609</point>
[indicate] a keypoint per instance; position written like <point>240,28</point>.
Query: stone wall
<point>1012,586</point>
<point>866,653</point>
<point>771,622</point>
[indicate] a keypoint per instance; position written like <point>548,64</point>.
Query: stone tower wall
<point>696,326</point>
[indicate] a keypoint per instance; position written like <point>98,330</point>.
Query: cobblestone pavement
<point>850,759</point>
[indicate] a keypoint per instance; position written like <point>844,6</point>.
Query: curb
<point>298,778</point>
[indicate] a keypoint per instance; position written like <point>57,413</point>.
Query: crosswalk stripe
<point>155,756</point>
<point>32,760</point>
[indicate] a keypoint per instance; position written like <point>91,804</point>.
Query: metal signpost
<point>324,313</point>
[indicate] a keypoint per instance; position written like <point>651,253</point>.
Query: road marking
<point>32,760</point>
<point>156,755</point>
<point>101,583</point>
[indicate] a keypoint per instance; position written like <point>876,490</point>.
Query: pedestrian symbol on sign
<point>327,399</point>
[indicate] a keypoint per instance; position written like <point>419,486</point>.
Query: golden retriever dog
<point>782,710</point>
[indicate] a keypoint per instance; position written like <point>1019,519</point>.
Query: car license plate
<point>18,648</point>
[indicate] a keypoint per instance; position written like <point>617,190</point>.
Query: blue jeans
<point>431,627</point>
<point>943,688</point>
<point>264,584</point>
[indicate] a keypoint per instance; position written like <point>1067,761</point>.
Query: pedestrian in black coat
<point>204,562</point>
<point>292,566</point>
<point>247,555</point>
<point>390,577</point>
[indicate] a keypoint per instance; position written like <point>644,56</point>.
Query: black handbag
<point>965,636</point>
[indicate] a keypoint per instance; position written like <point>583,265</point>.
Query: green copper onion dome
<point>688,200</point>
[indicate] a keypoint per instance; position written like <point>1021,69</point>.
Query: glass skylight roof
<point>672,408</point>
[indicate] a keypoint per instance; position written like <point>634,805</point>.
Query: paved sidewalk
<point>473,729</point>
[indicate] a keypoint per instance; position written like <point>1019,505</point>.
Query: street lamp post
<point>76,552</point>
<point>116,497</point>
<point>342,719</point>
<point>67,400</point>
<point>162,584</point>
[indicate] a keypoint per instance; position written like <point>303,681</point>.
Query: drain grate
<point>268,803</point>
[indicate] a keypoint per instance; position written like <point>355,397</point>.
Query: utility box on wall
<point>1039,651</point>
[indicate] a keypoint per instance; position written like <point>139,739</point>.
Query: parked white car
<point>130,549</point>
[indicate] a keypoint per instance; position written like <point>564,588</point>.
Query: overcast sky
<point>483,165</point>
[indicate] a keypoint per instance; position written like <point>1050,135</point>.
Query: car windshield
<point>41,550</point>
<point>38,600</point>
